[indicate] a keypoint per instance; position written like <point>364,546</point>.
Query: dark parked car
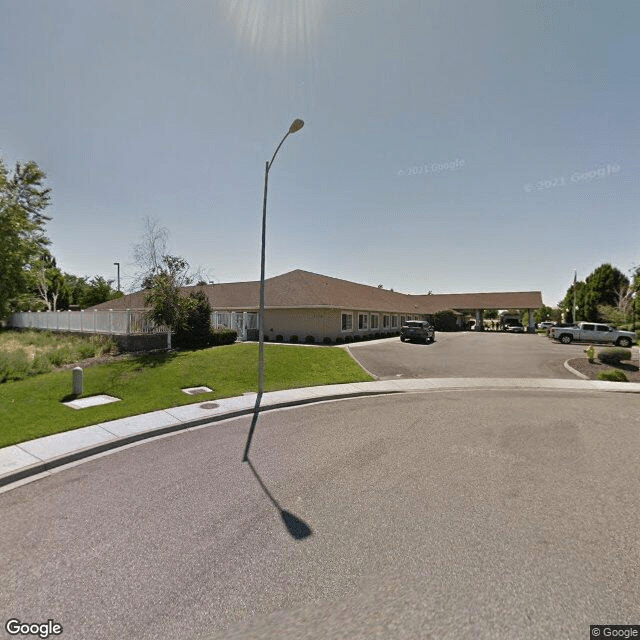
<point>417,330</point>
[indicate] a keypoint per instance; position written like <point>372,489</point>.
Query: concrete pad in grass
<point>91,401</point>
<point>194,391</point>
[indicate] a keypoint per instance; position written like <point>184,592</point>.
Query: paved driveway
<point>468,355</point>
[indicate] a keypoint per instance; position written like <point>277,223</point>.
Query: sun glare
<point>281,29</point>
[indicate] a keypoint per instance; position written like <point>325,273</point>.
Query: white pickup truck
<point>591,332</point>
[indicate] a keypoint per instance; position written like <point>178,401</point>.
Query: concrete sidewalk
<point>44,454</point>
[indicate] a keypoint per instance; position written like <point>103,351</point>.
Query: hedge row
<point>213,338</point>
<point>309,339</point>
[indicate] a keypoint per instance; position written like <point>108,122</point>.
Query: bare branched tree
<point>149,252</point>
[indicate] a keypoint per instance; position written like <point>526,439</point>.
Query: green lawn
<point>32,408</point>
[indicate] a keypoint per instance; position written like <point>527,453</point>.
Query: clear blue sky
<point>429,126</point>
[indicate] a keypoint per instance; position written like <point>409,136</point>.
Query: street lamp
<point>296,125</point>
<point>117,264</point>
<point>633,310</point>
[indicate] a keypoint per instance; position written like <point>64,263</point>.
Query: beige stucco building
<point>301,303</point>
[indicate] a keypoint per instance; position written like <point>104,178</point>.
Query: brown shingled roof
<point>299,289</point>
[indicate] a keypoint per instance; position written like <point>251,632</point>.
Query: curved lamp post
<point>296,125</point>
<point>633,310</point>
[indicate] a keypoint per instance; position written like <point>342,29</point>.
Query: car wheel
<point>402,338</point>
<point>624,342</point>
<point>566,338</point>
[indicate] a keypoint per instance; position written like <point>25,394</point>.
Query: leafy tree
<point>547,313</point>
<point>23,199</point>
<point>605,286</point>
<point>490,314</point>
<point>614,315</point>
<point>96,291</point>
<point>168,306</point>
<point>47,284</point>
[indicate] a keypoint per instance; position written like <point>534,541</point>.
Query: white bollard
<point>77,381</point>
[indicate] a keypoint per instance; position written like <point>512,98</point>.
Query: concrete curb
<point>373,375</point>
<point>568,367</point>
<point>47,465</point>
<point>43,455</point>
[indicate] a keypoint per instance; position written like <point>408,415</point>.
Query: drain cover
<point>194,391</point>
<point>209,405</point>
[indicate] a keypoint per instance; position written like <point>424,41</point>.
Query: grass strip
<point>32,408</point>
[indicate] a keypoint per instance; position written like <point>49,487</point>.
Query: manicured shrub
<point>357,338</point>
<point>614,355</point>
<point>377,335</point>
<point>293,339</point>
<point>196,329</point>
<point>326,340</point>
<point>348,339</point>
<point>613,376</point>
<point>445,321</point>
<point>279,338</point>
<point>339,340</point>
<point>310,339</point>
<point>591,353</point>
<point>222,336</point>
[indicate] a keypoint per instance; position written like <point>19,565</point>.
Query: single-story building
<point>301,303</point>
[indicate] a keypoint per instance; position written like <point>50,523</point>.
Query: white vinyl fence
<point>111,321</point>
<point>121,321</point>
<point>240,321</point>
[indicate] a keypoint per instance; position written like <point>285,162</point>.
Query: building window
<point>363,321</point>
<point>347,321</point>
<point>385,322</point>
<point>402,321</point>
<point>375,321</point>
<point>394,322</point>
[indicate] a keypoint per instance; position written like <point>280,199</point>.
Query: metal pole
<point>575,283</point>
<point>296,125</point>
<point>261,311</point>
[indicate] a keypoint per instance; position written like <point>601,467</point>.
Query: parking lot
<point>468,354</point>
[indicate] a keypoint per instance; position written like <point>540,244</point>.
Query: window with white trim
<point>363,321</point>
<point>394,322</point>
<point>347,322</point>
<point>385,322</point>
<point>375,321</point>
<point>403,320</point>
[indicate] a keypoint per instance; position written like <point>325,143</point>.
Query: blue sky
<point>458,146</point>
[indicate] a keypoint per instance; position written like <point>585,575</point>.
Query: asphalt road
<point>483,514</point>
<point>468,355</point>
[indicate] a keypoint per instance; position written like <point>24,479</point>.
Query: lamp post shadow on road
<point>296,527</point>
<point>296,125</point>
